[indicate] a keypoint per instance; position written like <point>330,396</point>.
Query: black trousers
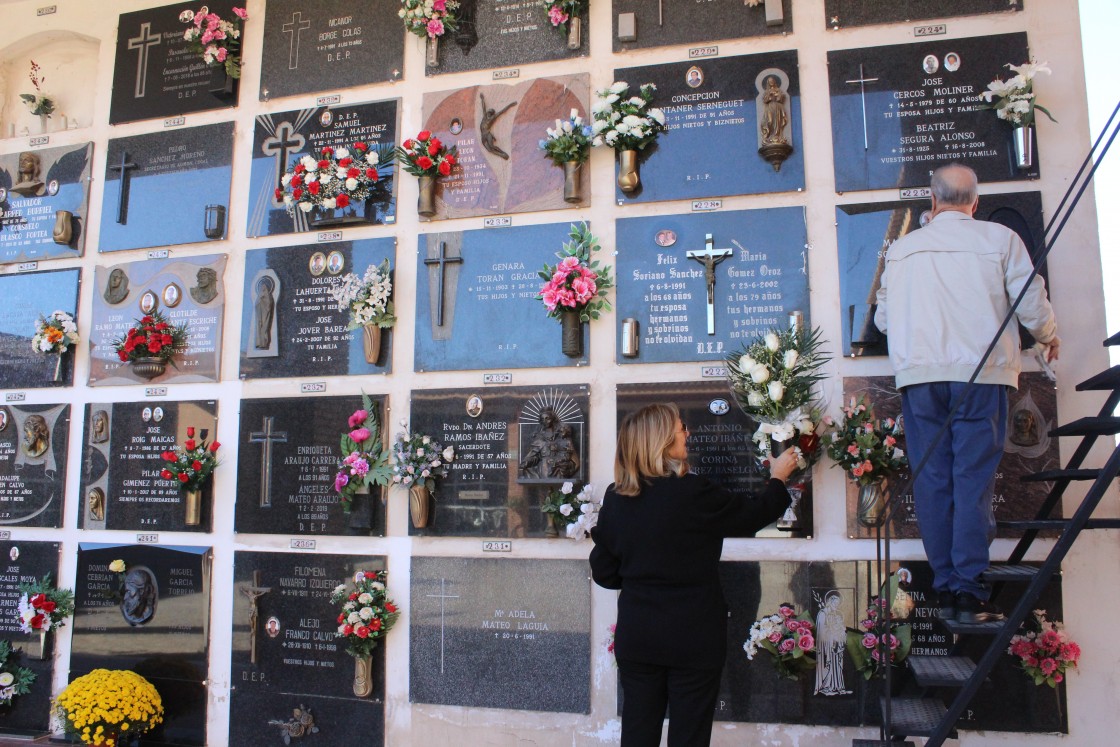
<point>689,694</point>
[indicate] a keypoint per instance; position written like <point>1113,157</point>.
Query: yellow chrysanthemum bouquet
<point>105,705</point>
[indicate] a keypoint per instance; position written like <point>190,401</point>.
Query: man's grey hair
<point>954,184</point>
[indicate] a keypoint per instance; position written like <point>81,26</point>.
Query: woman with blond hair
<point>659,540</point>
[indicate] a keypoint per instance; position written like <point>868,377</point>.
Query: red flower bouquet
<point>1045,651</point>
<point>152,337</point>
<point>333,179</point>
<point>365,613</point>
<point>192,464</point>
<point>426,155</point>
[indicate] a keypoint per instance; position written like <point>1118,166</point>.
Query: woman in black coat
<point>659,540</point>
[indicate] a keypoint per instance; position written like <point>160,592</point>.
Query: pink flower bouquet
<point>788,637</point>
<point>578,282</point>
<point>1045,651</point>
<point>218,40</point>
<point>364,461</point>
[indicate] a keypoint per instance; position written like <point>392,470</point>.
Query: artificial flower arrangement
<point>13,680</point>
<point>868,644</point>
<point>612,629</point>
<point>366,614</point>
<point>579,282</point>
<point>1044,649</point>
<point>334,179</point>
<point>577,512</point>
<point>43,607</point>
<point>364,461</point>
<point>426,155</point>
<point>218,40</point>
<point>419,460</point>
<point>866,447</point>
<point>191,464</point>
<point>109,707</point>
<point>1013,100</point>
<point>429,19</point>
<point>152,337</point>
<point>562,12</point>
<point>626,122</point>
<point>569,141</point>
<point>56,333</point>
<point>788,637</point>
<point>367,298</point>
<point>40,104</point>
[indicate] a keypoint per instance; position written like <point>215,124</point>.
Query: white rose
<point>365,613</point>
<point>806,426</point>
<point>746,363</point>
<point>754,399</point>
<point>354,618</point>
<point>789,358</point>
<point>448,453</point>
<point>566,509</point>
<point>772,342</point>
<point>776,390</point>
<point>365,597</point>
<point>340,588</point>
<point>566,488</point>
<point>760,374</point>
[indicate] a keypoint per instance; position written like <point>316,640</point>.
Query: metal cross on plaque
<point>280,145</point>
<point>267,437</point>
<point>710,257</point>
<point>443,596</point>
<point>863,98</point>
<point>143,43</point>
<point>126,180</point>
<point>294,27</point>
<point>442,260</point>
<point>253,593</point>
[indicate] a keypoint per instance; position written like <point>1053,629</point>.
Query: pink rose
<point>805,642</point>
<point>557,16</point>
<point>222,54</point>
<point>357,418</point>
<point>774,637</point>
<point>786,646</point>
<point>340,481</point>
<point>786,611</point>
<point>241,13</point>
<point>853,450</point>
<point>359,434</point>
<point>793,626</point>
<point>435,28</point>
<point>440,5</point>
<point>869,640</point>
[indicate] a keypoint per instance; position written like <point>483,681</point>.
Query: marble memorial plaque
<point>26,562</point>
<point>44,201</point>
<point>498,129</point>
<point>322,45</point>
<point>486,633</point>
<point>719,441</point>
<point>167,188</point>
<point>686,311</point>
<point>850,13</point>
<point>28,296</point>
<point>122,446</point>
<point>281,138</point>
<point>290,324</point>
<point>153,619</point>
<point>660,23</point>
<point>155,72</point>
<point>33,456</point>
<point>753,101</point>
<point>475,300</point>
<point>286,464</point>
<point>504,34</point>
<point>900,111</point>
<point>865,231</point>
<point>512,445</point>
<point>1031,414</point>
<point>187,290</point>
<point>286,655</point>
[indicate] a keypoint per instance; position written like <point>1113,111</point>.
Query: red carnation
<point>436,144</point>
<point>326,151</point>
<point>168,456</point>
<point>424,135</point>
<point>353,173</point>
<point>300,168</point>
<point>183,477</point>
<point>375,623</point>
<point>407,145</point>
<point>167,339</point>
<point>147,320</point>
<point>353,595</point>
<point>37,622</point>
<point>344,162</point>
<point>324,165</point>
<point>38,599</point>
<point>433,149</point>
<point>189,444</point>
<point>154,346</point>
<point>444,168</point>
<point>371,173</point>
<point>214,447</point>
<point>162,326</point>
<point>424,162</point>
<point>279,194</point>
<point>122,355</point>
<point>341,617</point>
<point>390,607</point>
<point>297,193</point>
<point>313,188</point>
<point>196,465</point>
<point>342,201</point>
<point>361,146</point>
<point>297,180</point>
<point>450,158</point>
<point>47,606</point>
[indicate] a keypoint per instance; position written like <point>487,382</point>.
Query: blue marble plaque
<point>664,23</point>
<point>167,188</point>
<point>44,199</point>
<point>475,305</point>
<point>281,138</point>
<point>760,277</point>
<point>28,296</point>
<point>714,114</point>
<point>290,324</point>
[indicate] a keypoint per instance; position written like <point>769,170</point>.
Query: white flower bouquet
<point>332,181</point>
<point>55,333</point>
<point>1014,100</point>
<point>368,298</point>
<point>626,122</point>
<point>569,140</point>
<point>419,460</point>
<point>577,512</point>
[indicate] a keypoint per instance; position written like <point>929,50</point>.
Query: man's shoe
<point>972,610</point>
<point>946,605</point>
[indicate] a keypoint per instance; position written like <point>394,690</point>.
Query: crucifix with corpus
<point>710,257</point>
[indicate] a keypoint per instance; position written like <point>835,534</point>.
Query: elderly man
<point>945,290</point>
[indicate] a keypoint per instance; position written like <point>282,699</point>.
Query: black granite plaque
<point>281,138</point>
<point>33,443</point>
<point>710,104</point>
<point>24,563</point>
<point>167,188</point>
<point>290,324</point>
<point>660,23</point>
<point>322,45</point>
<point>509,452</point>
<point>760,276</point>
<point>156,74</point>
<point>153,619</point>
<point>188,290</point>
<point>899,112</point>
<point>498,129</point>
<point>1032,413</point>
<point>842,13</point>
<point>286,463</point>
<point>44,197</point>
<point>865,231</point>
<point>286,654</point>
<point>719,440</point>
<point>503,34</point>
<point>510,634</point>
<point>122,446</point>
<point>28,296</point>
<point>475,300</point>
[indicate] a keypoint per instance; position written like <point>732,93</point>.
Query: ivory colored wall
<point>1091,572</point>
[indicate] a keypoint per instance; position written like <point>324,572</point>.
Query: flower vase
<point>791,520</point>
<point>371,343</point>
<point>574,33</point>
<point>361,512</point>
<point>572,172</point>
<point>432,51</point>
<point>552,530</point>
<point>571,331</point>
<point>42,643</point>
<point>363,676</point>
<point>222,85</point>
<point>148,368</point>
<point>420,505</point>
<point>192,502</point>
<point>57,378</point>
<point>426,202</point>
<point>1023,138</point>
<point>872,502</point>
<point>43,123</point>
<point>628,177</point>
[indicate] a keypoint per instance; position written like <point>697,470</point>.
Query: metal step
<point>1059,524</point>
<point>1091,426</point>
<point>914,717</point>
<point>1105,380</point>
<point>881,743</point>
<point>1050,475</point>
<point>957,628</point>
<point>1005,573</point>
<point>1114,340</point>
<point>941,671</point>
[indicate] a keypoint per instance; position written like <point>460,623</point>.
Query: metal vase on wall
<point>1023,138</point>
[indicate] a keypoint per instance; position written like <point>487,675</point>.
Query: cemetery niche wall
<point>640,24</point>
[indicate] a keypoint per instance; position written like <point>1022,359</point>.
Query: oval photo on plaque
<point>172,295</point>
<point>317,264</point>
<point>149,302</point>
<point>474,405</point>
<point>719,407</point>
